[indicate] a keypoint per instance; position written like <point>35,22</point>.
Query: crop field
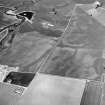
<point>61,41</point>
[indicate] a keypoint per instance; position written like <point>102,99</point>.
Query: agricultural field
<point>80,54</point>
<point>52,48</point>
